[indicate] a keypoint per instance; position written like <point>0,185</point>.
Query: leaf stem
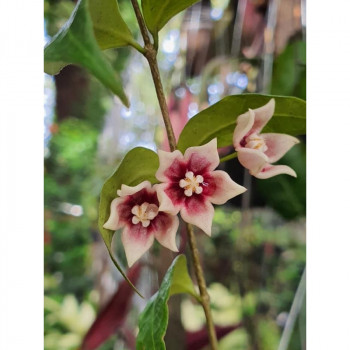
<point>155,41</point>
<point>151,56</point>
<point>123,274</point>
<point>228,157</point>
<point>137,46</point>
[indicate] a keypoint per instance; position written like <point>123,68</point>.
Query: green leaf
<point>109,27</point>
<point>286,194</point>
<point>219,120</point>
<point>138,165</point>
<point>75,43</point>
<point>154,319</point>
<point>289,71</point>
<point>158,13</point>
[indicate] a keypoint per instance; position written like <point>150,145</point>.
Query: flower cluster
<point>190,185</point>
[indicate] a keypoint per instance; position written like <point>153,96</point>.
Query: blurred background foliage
<point>255,259</point>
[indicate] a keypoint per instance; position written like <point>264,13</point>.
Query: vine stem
<point>151,56</point>
<point>205,299</point>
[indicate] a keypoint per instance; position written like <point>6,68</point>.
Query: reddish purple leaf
<point>197,340</point>
<point>113,315</point>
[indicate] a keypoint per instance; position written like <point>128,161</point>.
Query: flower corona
<point>189,184</point>
<point>136,210</point>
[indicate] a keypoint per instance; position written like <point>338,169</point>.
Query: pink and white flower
<point>136,210</point>
<point>190,184</point>
<point>257,151</point>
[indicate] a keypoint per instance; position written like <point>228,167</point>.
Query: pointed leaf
<point>158,13</point>
<point>219,120</point>
<point>113,315</point>
<point>75,43</point>
<point>138,165</point>
<point>109,27</point>
<point>154,319</point>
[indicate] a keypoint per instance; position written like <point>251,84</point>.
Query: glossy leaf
<point>109,27</point>
<point>158,13</point>
<point>138,165</point>
<point>113,314</point>
<point>219,120</point>
<point>154,319</point>
<point>75,43</point>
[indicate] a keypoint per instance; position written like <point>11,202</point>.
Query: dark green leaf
<point>154,319</point>
<point>219,120</point>
<point>75,43</point>
<point>138,165</point>
<point>285,194</point>
<point>109,27</point>
<point>289,71</point>
<point>158,13</point>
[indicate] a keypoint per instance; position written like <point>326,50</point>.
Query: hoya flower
<point>257,151</point>
<point>136,210</point>
<point>190,185</point>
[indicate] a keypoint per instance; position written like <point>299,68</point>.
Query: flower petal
<point>113,222</point>
<point>167,165</point>
<point>278,145</point>
<point>165,227</point>
<point>244,124</point>
<point>252,159</point>
<point>199,213</point>
<point>225,188</point>
<point>202,158</point>
<point>165,203</point>
<point>273,170</point>
<point>129,190</point>
<point>262,116</point>
<point>136,240</point>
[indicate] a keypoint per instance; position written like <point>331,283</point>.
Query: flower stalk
<point>151,56</point>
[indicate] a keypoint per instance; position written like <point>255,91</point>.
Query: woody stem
<point>151,56</point>
<point>205,299</point>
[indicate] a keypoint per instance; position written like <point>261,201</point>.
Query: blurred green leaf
<point>138,165</point>
<point>74,143</point>
<point>56,13</point>
<point>219,120</point>
<point>75,43</point>
<point>154,319</point>
<point>267,334</point>
<point>289,71</point>
<point>158,13</point>
<point>109,27</point>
